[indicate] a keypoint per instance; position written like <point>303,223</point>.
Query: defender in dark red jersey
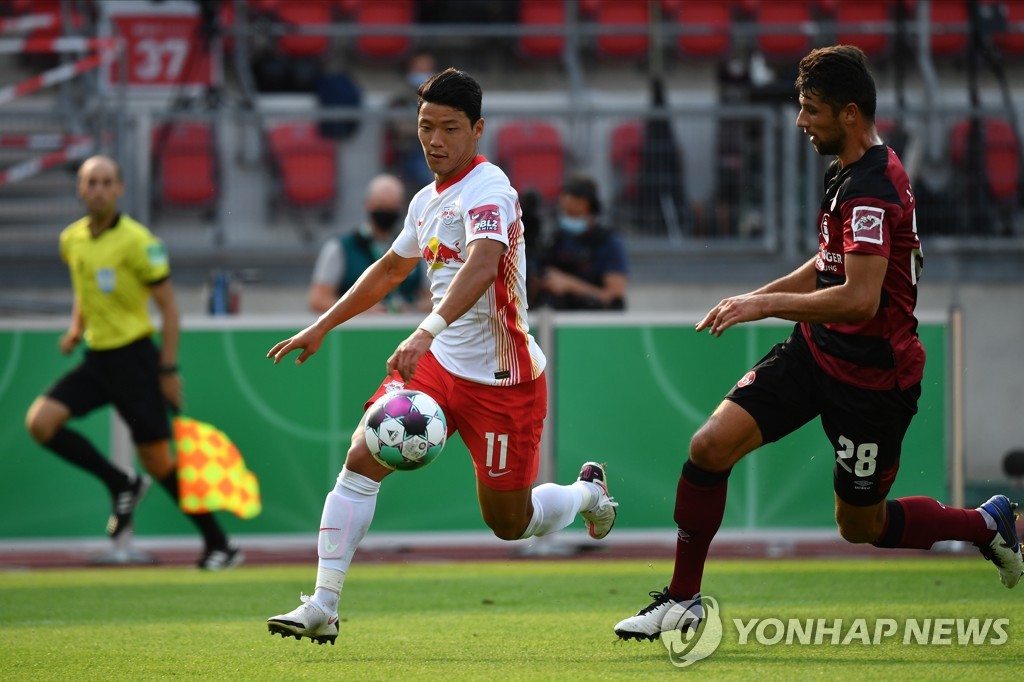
<point>854,358</point>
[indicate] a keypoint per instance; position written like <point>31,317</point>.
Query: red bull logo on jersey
<point>867,224</point>
<point>449,214</point>
<point>484,219</point>
<point>438,254</point>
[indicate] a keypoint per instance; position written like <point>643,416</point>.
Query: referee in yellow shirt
<point>116,266</point>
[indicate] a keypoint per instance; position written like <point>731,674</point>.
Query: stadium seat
<point>185,165</point>
<point>533,156</point>
<point>627,148</point>
<point>534,13</point>
<point>713,40</point>
<point>780,28</point>
<point>306,165</point>
<point>849,16</point>
<point>372,13</point>
<point>300,13</point>
<point>1001,156</point>
<point>949,22</point>
<point>620,14</point>
<point>1011,41</point>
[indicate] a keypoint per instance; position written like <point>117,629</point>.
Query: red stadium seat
<point>627,148</point>
<point>779,28</point>
<point>714,40</point>
<point>539,13</point>
<point>620,14</point>
<point>949,21</point>
<point>306,165</point>
<point>1011,41</point>
<point>301,13</point>
<point>186,165</point>
<point>372,13</point>
<point>850,15</point>
<point>533,156</point>
<point>1001,156</point>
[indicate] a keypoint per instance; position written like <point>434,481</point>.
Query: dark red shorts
<point>787,388</point>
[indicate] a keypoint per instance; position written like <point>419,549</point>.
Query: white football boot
<point>649,623</point>
<point>309,620</point>
<point>600,518</point>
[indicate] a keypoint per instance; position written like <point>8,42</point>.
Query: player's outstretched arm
<point>309,340</point>
<point>854,300</point>
<point>373,285</point>
<point>752,306</point>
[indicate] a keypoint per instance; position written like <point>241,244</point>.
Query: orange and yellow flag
<point>211,472</point>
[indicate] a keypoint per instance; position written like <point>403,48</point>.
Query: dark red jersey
<point>869,208</point>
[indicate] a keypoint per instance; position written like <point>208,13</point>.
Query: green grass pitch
<point>513,620</point>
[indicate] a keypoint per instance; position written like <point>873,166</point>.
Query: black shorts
<point>127,378</point>
<point>787,388</point>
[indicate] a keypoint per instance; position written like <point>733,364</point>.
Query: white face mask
<point>572,225</point>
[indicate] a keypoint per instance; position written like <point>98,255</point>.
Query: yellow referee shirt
<point>111,275</point>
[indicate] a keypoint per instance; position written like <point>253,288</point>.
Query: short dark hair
<point>455,89</point>
<point>584,187</point>
<point>838,74</point>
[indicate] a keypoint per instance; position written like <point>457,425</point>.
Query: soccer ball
<point>405,430</point>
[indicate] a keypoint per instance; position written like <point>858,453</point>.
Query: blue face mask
<point>418,79</point>
<point>572,225</point>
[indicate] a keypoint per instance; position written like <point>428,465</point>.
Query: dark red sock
<point>700,506</point>
<point>920,522</point>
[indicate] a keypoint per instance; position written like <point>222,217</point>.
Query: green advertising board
<point>625,391</point>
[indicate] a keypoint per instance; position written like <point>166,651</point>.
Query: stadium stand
<point>781,28</point>
<point>634,14</point>
<point>370,14</point>
<point>302,15</point>
<point>185,167</point>
<point>627,148</point>
<point>533,13</point>
<point>305,167</point>
<point>533,155</point>
<point>1000,168</point>
<point>949,20</point>
<point>709,24</point>
<point>850,18</point>
<point>1011,40</point>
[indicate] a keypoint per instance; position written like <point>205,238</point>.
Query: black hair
<point>455,89</point>
<point>584,187</point>
<point>839,75</point>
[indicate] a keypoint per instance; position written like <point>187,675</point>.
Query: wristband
<point>169,369</point>
<point>433,324</point>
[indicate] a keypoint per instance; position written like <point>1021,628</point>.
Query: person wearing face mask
<point>402,151</point>
<point>343,258</point>
<point>585,267</point>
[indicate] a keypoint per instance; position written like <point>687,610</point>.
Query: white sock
<point>348,511</point>
<point>591,494</point>
<point>554,507</point>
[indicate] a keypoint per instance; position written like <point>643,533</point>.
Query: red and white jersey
<point>491,343</point>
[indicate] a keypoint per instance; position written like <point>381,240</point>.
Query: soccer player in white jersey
<point>473,354</point>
